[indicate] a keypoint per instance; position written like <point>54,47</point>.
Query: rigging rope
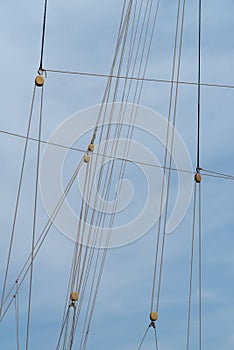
<point>165,159</point>
<point>35,200</point>
<point>144,336</point>
<point>151,325</point>
<point>17,199</point>
<point>75,264</point>
<point>122,30</point>
<point>198,169</point>
<point>62,328</point>
<point>148,53</point>
<point>197,188</point>
<point>34,220</point>
<point>171,153</point>
<point>104,256</point>
<point>205,172</point>
<point>16,297</point>
<point>98,218</point>
<point>199,87</point>
<point>200,265</point>
<point>167,81</point>
<point>26,267</point>
<point>191,268</point>
<point>43,37</point>
<point>91,223</point>
<point>197,183</point>
<point>80,252</point>
<point>156,338</point>
<point>83,257</point>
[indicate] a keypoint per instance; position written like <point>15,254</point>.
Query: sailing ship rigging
<point>103,161</point>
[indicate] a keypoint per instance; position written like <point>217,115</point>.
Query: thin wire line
<point>66,332</point>
<point>165,160</point>
<point>112,218</point>
<point>124,23</point>
<point>198,165</point>
<point>41,238</point>
<point>156,338</point>
<point>127,14</point>
<point>217,173</point>
<point>72,333</point>
<point>199,87</point>
<point>200,266</point>
<point>62,327</point>
<point>225,177</point>
<point>191,269</point>
<point>217,85</point>
<point>108,131</point>
<point>97,287</point>
<point>75,272</point>
<point>34,220</point>
<point>214,174</point>
<point>144,336</point>
<point>43,36</point>
<point>17,324</point>
<point>78,247</point>
<point>17,317</point>
<point>18,198</point>
<point>171,153</point>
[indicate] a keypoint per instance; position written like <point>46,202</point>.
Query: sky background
<point>81,36</point>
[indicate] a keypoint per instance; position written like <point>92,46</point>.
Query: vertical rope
<point>43,36</point>
<point>171,153</point>
<point>26,267</point>
<point>198,168</point>
<point>191,269</point>
<point>199,86</point>
<point>200,268</point>
<point>34,219</point>
<point>17,316</point>
<point>17,200</point>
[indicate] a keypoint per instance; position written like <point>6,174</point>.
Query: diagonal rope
<point>26,267</point>
<point>62,328</point>
<point>74,269</point>
<point>155,80</point>
<point>152,32</point>
<point>205,172</point>
<point>95,293</point>
<point>144,336</point>
<point>200,265</point>
<point>18,199</point>
<point>171,154</point>
<point>102,265</point>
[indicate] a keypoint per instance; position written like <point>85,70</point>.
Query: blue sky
<point>81,36</point>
